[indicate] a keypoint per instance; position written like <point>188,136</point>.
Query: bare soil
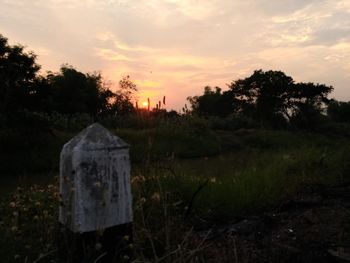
<point>312,226</point>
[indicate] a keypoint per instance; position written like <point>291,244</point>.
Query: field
<point>191,186</point>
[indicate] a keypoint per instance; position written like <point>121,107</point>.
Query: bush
<point>232,122</point>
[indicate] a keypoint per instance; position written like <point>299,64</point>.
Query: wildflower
<point>45,213</point>
<point>126,238</point>
<point>139,178</point>
<point>156,197</point>
<point>212,180</point>
<point>12,204</point>
<point>142,200</point>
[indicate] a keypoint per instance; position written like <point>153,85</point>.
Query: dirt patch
<point>313,226</point>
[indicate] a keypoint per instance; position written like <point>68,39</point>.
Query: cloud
<point>331,36</point>
<point>176,47</point>
<point>284,7</point>
<point>111,55</point>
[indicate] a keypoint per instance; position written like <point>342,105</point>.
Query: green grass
<point>36,150</point>
<point>165,141</point>
<point>252,181</point>
<point>185,176</point>
<point>30,151</point>
<point>173,198</point>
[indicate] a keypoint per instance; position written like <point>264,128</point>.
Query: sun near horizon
<point>176,48</point>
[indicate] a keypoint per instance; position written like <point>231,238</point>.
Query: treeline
<point>268,99</point>
<point>274,100</point>
<point>23,89</point>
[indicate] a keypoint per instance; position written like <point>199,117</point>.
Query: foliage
<point>122,104</point>
<point>339,111</point>
<point>28,224</point>
<point>261,95</point>
<point>232,122</point>
<point>68,91</point>
<point>27,151</point>
<point>151,137</point>
<point>18,77</point>
<point>211,103</point>
<point>168,220</point>
<point>272,96</point>
<point>76,92</point>
<point>180,138</point>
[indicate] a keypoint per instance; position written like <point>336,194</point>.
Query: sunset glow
<point>175,48</point>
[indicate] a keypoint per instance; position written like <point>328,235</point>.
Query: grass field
<point>185,178</point>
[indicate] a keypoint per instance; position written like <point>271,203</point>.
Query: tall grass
<point>232,173</point>
<point>173,200</point>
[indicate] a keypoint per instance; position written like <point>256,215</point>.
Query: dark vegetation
<point>248,152</point>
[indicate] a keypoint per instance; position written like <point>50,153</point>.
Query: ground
<point>312,226</point>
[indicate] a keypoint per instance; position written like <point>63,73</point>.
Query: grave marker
<point>95,183</point>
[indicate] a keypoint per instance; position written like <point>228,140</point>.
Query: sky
<point>175,48</point>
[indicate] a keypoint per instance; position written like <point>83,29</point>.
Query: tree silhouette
<point>211,103</point>
<point>273,96</point>
<point>339,111</point>
<point>76,92</point>
<point>18,76</point>
<point>263,95</point>
<point>122,104</point>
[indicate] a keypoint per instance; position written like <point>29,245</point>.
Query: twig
<point>235,250</point>
<point>168,255</point>
<point>100,256</point>
<point>45,255</point>
<point>190,204</point>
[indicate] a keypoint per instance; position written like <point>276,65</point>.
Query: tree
<point>211,103</point>
<point>263,95</point>
<point>307,103</point>
<point>339,111</point>
<point>18,77</point>
<point>76,92</point>
<point>122,104</point>
<point>273,96</point>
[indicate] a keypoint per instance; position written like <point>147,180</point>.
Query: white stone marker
<point>95,181</point>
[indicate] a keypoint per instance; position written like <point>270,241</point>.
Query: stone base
<point>113,244</point>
